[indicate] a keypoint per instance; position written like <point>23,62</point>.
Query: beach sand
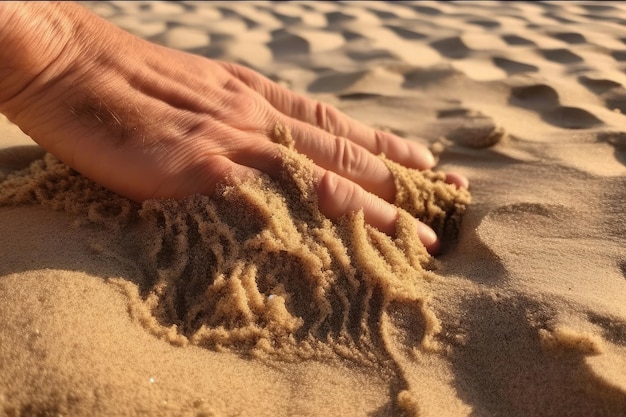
<point>251,303</point>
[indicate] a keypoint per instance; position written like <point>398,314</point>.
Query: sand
<point>252,303</point>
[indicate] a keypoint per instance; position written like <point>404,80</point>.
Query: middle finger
<point>344,157</point>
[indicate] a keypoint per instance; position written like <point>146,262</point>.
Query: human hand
<point>150,122</point>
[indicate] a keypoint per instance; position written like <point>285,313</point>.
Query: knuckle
<point>321,115</point>
<point>327,117</point>
<point>381,142</point>
<point>346,193</point>
<point>337,195</point>
<point>341,155</point>
<point>349,158</point>
<point>240,107</point>
<point>208,171</point>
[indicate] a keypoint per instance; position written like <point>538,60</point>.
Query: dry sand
<point>252,303</point>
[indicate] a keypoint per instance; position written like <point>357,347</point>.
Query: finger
<point>459,180</point>
<point>331,120</point>
<point>338,196</point>
<point>344,157</point>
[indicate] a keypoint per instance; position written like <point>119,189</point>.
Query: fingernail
<point>430,159</point>
<point>460,181</point>
<point>428,238</point>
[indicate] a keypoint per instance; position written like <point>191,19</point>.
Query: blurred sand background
<point>527,99</point>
